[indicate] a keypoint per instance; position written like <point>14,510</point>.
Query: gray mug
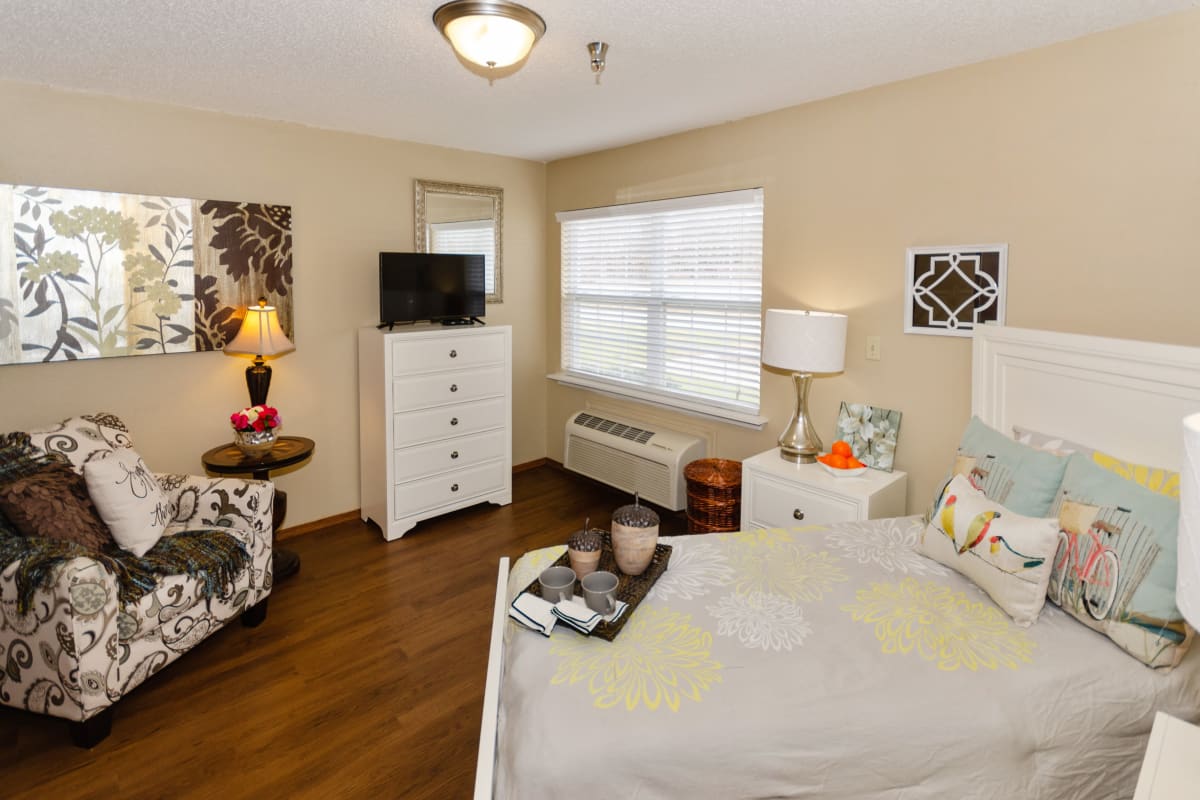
<point>558,583</point>
<point>600,592</point>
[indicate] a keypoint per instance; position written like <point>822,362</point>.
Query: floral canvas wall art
<point>87,274</point>
<point>871,433</point>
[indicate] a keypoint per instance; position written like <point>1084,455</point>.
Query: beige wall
<point>351,197</point>
<point>1084,157</point>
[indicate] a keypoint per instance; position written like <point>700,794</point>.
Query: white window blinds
<point>473,237</point>
<point>664,299</point>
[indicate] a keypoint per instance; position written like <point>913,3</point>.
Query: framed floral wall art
<point>871,433</point>
<point>87,274</point>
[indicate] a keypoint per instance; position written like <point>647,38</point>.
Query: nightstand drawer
<point>776,504</point>
<point>447,387</point>
<point>450,352</point>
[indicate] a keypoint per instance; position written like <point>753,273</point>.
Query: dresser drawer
<point>447,387</point>
<point>451,487</point>
<point>416,427</point>
<point>776,504</point>
<point>429,459</point>
<point>450,352</point>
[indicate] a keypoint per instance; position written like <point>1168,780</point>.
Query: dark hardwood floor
<point>366,680</point>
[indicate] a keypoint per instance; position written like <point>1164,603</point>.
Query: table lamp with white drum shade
<point>803,342</point>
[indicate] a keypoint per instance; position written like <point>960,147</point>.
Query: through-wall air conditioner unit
<point>632,456</point>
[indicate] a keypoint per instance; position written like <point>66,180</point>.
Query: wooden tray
<point>631,589</point>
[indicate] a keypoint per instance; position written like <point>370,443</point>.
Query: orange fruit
<point>837,461</point>
<point>854,463</point>
<point>841,448</point>
<point>824,459</point>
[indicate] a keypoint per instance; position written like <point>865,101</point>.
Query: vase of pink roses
<point>255,429</point>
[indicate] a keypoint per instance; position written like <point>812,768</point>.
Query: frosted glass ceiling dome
<point>490,34</point>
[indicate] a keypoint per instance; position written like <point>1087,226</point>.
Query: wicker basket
<point>714,489</point>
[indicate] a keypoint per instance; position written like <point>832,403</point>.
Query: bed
<point>837,662</point>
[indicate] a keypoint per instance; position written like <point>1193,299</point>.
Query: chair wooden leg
<point>92,731</point>
<point>254,616</point>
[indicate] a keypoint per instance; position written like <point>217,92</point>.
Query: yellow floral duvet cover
<point>831,662</point>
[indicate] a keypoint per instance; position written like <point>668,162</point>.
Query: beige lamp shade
<point>1187,584</point>
<point>260,334</point>
<point>804,341</point>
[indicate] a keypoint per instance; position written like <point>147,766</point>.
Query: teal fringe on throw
<point>212,556</point>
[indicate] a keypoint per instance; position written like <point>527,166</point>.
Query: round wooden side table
<point>288,450</point>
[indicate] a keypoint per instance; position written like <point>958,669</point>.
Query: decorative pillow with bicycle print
<point>1020,478</point>
<point>1004,553</point>
<point>1114,568</point>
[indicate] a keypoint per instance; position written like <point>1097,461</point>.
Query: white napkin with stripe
<point>582,618</point>
<point>577,615</point>
<point>533,612</point>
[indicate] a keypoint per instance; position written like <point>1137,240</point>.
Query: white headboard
<point>1124,397</point>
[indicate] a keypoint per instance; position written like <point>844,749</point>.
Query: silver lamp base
<point>799,442</point>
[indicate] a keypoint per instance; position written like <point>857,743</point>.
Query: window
<point>471,237</point>
<point>662,301</point>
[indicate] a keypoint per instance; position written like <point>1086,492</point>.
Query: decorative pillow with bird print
<point>1007,555</point>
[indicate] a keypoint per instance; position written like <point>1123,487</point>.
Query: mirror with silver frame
<point>460,218</point>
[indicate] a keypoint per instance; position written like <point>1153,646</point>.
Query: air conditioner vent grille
<point>639,435</point>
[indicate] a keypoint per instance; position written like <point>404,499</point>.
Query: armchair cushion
<point>54,503</point>
<point>129,499</point>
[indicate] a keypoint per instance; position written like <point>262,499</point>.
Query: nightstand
<point>782,494</point>
<point>1170,770</point>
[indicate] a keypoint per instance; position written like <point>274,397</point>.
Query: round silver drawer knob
<point>454,454</point>
<point>454,420</point>
<point>454,387</point>
<point>454,354</point>
<point>454,488</point>
<point>797,513</point>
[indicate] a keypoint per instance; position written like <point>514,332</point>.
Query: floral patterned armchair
<point>78,648</point>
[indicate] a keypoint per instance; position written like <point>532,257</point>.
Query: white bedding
<point>824,662</point>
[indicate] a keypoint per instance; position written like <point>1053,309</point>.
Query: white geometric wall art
<point>951,289</point>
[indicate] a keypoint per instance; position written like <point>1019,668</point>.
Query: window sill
<point>624,392</point>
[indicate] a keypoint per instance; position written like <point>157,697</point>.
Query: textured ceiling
<point>380,67</point>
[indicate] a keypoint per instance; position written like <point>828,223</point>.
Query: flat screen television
<point>430,286</point>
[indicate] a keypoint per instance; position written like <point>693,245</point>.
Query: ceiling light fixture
<point>491,33</point>
<point>597,51</point>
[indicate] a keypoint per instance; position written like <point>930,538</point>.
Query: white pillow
<point>129,499</point>
<point>1007,555</point>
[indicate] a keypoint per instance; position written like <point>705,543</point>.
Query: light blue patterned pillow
<point>1023,479</point>
<point>1115,566</point>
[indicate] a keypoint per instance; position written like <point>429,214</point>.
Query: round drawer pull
<point>454,354</point>
<point>454,420</point>
<point>797,513</point>
<point>454,387</point>
<point>454,454</point>
<point>454,488</point>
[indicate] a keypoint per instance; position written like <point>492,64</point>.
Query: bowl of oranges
<point>840,461</point>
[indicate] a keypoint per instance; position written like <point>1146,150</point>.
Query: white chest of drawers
<point>435,422</point>
<point>781,494</point>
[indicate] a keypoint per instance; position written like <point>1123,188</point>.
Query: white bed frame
<point>1123,397</point>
